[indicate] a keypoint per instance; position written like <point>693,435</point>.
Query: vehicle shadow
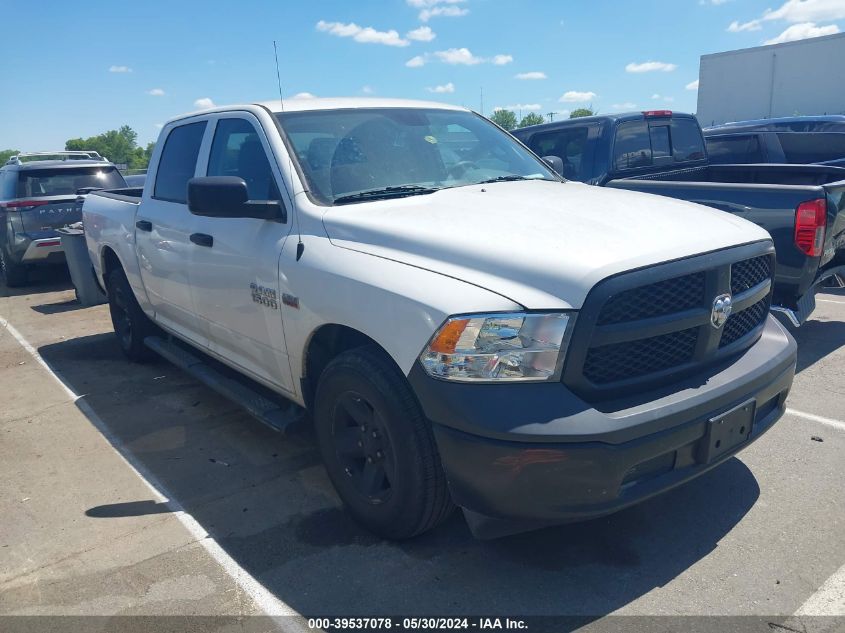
<point>817,339</point>
<point>268,503</point>
<point>41,280</point>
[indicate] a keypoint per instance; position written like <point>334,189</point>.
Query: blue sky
<point>73,69</point>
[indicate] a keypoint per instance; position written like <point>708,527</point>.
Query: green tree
<point>119,146</point>
<point>6,154</point>
<point>579,112</point>
<point>532,118</point>
<point>504,119</point>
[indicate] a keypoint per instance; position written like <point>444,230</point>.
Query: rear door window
<point>812,148</point>
<point>570,145</point>
<point>744,148</point>
<point>66,181</point>
<point>178,162</point>
<point>632,147</point>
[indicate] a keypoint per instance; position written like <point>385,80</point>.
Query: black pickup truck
<point>663,152</point>
<point>800,140</point>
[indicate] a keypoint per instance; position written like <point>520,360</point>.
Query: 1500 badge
<point>264,296</point>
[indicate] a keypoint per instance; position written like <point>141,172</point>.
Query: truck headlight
<point>497,347</point>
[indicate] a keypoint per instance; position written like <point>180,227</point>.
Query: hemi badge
<point>290,300</point>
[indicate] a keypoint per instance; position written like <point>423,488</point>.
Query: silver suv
<point>39,193</point>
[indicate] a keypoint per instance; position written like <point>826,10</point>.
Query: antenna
<point>300,247</point>
<point>278,76</point>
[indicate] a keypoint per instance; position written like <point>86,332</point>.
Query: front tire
<point>378,447</point>
<point>13,275</point>
<point>130,323</point>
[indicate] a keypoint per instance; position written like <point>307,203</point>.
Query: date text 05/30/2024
<point>415,624</point>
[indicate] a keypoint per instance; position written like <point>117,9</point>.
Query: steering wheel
<point>460,168</point>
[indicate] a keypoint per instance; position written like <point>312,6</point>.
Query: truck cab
<point>598,149</point>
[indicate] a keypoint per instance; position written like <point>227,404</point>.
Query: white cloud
<point>693,85</point>
<point>516,107</point>
<point>120,69</point>
<point>448,88</point>
<point>364,35</point>
<point>458,56</point>
<point>158,125</point>
<point>434,8</point>
<point>444,12</point>
<point>573,96</point>
<point>156,92</point>
<point>799,12</point>
<point>204,103</point>
<point>304,95</point>
<point>648,67</point>
<point>422,34</point>
<point>622,107</point>
<point>660,97</point>
<point>802,32</point>
<point>531,75</point>
<point>367,90</point>
<point>808,11</point>
<point>736,27</point>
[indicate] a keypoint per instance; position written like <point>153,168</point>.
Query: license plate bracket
<point>727,431</point>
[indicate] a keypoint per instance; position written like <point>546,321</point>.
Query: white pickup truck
<point>461,325</point>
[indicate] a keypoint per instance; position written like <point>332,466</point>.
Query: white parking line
<point>836,424</point>
<point>842,303</point>
<point>829,599</point>
<point>265,600</point>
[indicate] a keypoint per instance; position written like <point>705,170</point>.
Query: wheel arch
<point>109,261</point>
<point>324,344</point>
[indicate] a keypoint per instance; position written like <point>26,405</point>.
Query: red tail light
<point>18,204</point>
<point>810,219</point>
<point>657,113</point>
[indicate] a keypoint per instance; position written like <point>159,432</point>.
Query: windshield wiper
<point>385,193</point>
<point>505,179</point>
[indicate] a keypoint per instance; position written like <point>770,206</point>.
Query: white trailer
<point>791,79</point>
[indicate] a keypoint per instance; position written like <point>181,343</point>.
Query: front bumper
<point>520,456</point>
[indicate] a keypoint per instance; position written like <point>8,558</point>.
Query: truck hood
<point>541,244</point>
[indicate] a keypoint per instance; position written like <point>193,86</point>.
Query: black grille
<point>750,272</point>
<point>652,326</point>
<point>657,299</point>
<point>611,363</point>
<point>741,323</point>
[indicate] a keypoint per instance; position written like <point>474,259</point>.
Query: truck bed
<point>108,216</point>
<point>767,195</point>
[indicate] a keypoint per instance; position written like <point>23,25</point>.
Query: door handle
<point>144,225</point>
<point>202,239</point>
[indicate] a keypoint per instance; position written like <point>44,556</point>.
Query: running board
<point>284,416</point>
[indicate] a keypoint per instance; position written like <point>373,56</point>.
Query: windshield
<point>402,151</point>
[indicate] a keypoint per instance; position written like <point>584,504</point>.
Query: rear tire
<point>13,275</point>
<point>130,323</point>
<point>378,447</point>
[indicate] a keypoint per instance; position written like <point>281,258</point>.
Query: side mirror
<point>555,162</point>
<point>227,197</point>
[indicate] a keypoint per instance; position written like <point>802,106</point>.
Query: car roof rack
<point>60,155</point>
